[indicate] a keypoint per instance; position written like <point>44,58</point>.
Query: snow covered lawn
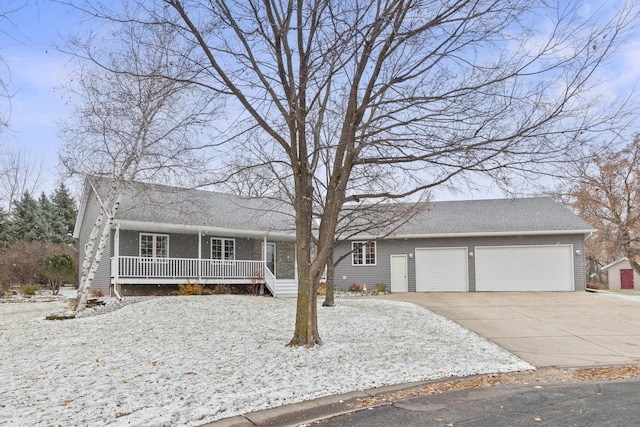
<point>192,360</point>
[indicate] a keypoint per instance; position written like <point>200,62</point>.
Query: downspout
<point>116,254</point>
<point>115,291</point>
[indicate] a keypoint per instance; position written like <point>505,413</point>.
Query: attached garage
<point>531,244</point>
<point>442,270</point>
<point>524,268</point>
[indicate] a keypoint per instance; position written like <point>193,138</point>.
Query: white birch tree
<point>140,123</point>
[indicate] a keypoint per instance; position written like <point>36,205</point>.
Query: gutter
<point>473,234</point>
<point>185,228</point>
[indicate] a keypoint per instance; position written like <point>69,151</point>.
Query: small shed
<point>621,275</point>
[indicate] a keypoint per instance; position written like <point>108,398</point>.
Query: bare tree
<point>8,8</point>
<point>19,173</point>
<point>607,195</point>
<point>420,92</point>
<point>139,123</point>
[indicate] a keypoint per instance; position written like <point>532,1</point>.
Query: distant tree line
<point>45,219</point>
<point>34,231</point>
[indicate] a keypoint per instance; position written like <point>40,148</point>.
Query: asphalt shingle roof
<point>160,204</point>
<point>499,216</point>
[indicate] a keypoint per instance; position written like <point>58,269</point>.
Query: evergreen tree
<point>5,224</point>
<point>29,221</point>
<point>56,230</point>
<point>66,210</point>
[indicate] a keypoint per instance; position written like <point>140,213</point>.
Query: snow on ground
<point>192,360</point>
<point>629,296</point>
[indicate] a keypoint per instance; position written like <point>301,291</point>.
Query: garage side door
<point>524,268</point>
<point>441,270</point>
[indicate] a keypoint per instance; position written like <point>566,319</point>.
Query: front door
<point>626,278</point>
<point>271,257</point>
<point>399,282</point>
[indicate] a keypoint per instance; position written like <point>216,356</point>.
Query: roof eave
<point>192,229</point>
<point>618,261</point>
<point>473,234</point>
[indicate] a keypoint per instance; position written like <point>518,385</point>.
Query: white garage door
<point>441,270</point>
<point>524,268</point>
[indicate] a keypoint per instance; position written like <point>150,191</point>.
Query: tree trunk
<point>85,285</point>
<point>328,298</point>
<point>306,329</point>
<point>87,281</point>
<point>634,265</point>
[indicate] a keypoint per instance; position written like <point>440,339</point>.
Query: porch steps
<point>286,288</point>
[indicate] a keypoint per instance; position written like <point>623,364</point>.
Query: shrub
<point>322,289</point>
<point>379,288</point>
<point>4,290</point>
<point>97,293</point>
<point>191,289</point>
<point>58,268</point>
<point>220,289</point>
<point>21,263</point>
<point>257,283</point>
<point>357,287</point>
<point>254,288</point>
<point>29,290</point>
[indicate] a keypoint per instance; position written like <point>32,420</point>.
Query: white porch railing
<point>187,268</point>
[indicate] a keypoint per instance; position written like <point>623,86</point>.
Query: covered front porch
<point>166,256</point>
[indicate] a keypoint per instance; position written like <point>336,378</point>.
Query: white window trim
<point>364,259</point>
<point>155,236</point>
<point>224,239</point>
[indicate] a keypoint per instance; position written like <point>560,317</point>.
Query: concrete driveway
<point>558,329</point>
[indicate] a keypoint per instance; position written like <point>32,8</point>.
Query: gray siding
<point>180,245</point>
<point>346,273</point>
<point>186,246</point>
<point>285,258</point>
<point>183,245</point>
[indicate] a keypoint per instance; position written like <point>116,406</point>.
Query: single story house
<point>621,275</point>
<point>162,236</point>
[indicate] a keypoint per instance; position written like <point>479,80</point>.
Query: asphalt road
<point>557,404</point>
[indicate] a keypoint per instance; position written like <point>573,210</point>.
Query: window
<point>223,248</point>
<point>364,253</point>
<point>154,245</point>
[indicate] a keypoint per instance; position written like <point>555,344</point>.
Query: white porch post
<point>116,256</point>
<point>199,256</point>
<point>264,255</point>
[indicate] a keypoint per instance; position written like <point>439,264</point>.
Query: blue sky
<point>37,71</point>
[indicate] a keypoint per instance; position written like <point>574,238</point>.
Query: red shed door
<point>626,278</point>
